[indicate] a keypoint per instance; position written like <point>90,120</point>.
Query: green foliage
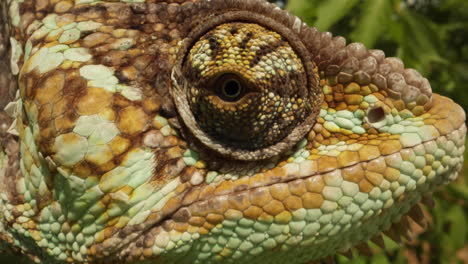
<point>432,37</point>
<point>335,10</point>
<point>375,16</point>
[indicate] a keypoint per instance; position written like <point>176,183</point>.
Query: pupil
<point>231,88</point>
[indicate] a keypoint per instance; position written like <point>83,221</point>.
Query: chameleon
<point>144,131</point>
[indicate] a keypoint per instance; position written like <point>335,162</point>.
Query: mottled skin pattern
<point>179,131</point>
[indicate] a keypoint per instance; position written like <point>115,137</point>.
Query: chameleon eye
<point>245,89</point>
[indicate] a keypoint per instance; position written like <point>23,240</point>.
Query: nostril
<point>376,115</point>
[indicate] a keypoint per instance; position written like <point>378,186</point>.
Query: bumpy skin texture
<point>113,155</point>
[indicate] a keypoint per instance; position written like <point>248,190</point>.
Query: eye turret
<point>245,89</point>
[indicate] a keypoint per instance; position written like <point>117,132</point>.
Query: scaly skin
<point>116,154</point>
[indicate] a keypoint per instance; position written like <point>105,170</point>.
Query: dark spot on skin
<point>166,38</point>
<point>139,8</point>
<point>121,77</point>
<point>182,215</point>
<point>246,40</point>
<point>264,50</point>
<point>136,26</point>
<point>213,43</point>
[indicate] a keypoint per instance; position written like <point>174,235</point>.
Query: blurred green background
<point>432,37</point>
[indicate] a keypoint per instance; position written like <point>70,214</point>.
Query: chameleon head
<point>209,131</point>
